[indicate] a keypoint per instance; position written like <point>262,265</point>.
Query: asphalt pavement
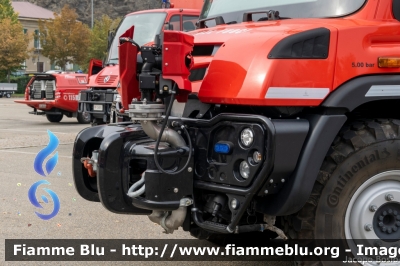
<point>22,136</point>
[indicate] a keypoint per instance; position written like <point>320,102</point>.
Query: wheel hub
<point>383,220</point>
<point>373,214</point>
<point>86,116</point>
<point>386,221</point>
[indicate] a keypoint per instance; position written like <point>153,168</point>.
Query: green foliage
<point>64,39</point>
<point>22,82</point>
<point>13,41</point>
<point>99,38</point>
<point>13,45</point>
<point>7,11</point>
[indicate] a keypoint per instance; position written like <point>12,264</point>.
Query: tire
<point>8,95</point>
<point>360,170</point>
<point>54,118</point>
<point>83,118</point>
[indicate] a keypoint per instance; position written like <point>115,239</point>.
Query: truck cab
<point>103,87</point>
<point>56,94</point>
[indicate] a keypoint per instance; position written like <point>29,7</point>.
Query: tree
<point>13,41</point>
<point>7,11</point>
<point>13,46</point>
<point>99,38</point>
<point>64,39</point>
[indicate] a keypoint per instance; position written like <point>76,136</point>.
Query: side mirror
<point>168,26</point>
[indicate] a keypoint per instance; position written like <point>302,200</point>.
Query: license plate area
<point>42,105</point>
<point>97,107</point>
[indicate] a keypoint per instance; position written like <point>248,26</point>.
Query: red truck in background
<point>55,95</point>
<point>102,93</point>
<point>195,4</point>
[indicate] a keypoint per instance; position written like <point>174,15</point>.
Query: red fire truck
<point>56,94</point>
<point>104,86</point>
<point>289,125</point>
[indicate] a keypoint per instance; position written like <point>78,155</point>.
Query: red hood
<point>248,32</point>
<point>239,71</point>
<point>108,77</point>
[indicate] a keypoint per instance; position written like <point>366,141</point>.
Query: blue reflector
<point>223,148</point>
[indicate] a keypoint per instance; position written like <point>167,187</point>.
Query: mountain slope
<point>113,8</point>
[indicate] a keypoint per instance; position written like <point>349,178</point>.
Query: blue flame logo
<point>43,154</point>
<point>35,202</point>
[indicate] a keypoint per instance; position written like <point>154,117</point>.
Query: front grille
<point>205,50</point>
<point>50,87</point>
<point>98,95</point>
<point>106,79</point>
<point>37,88</point>
<point>197,74</point>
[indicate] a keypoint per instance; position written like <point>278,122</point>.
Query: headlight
<point>116,96</point>
<point>244,169</point>
<point>257,157</point>
<point>247,137</point>
<point>234,203</point>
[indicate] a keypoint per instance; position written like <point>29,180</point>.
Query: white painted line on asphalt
<point>33,153</point>
<point>32,146</point>
<point>45,131</point>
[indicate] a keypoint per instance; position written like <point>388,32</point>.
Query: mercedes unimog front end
<point>288,123</point>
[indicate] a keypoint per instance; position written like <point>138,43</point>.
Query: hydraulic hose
<point>132,193</point>
<point>164,124</point>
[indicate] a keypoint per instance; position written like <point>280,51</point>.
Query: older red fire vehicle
<point>55,95</point>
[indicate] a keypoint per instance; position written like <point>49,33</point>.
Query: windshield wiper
<point>219,20</point>
<point>108,63</point>
<point>271,15</point>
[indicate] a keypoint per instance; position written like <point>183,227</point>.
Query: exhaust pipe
<point>148,114</point>
<point>170,136</point>
<point>171,221</point>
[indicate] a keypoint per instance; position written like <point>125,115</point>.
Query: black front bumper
<point>92,99</point>
<point>125,153</point>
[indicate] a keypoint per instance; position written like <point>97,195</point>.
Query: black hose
<point>164,124</point>
<point>126,39</point>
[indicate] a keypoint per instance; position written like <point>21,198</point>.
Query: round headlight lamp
<point>247,137</point>
<point>244,169</point>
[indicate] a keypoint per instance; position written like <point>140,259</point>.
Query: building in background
<point>29,16</point>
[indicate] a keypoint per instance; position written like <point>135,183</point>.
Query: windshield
<point>232,10</point>
<point>147,26</point>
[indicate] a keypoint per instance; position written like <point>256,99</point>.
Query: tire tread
<point>353,137</point>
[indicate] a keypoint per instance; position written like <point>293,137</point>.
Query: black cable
<point>126,39</point>
<point>164,124</point>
